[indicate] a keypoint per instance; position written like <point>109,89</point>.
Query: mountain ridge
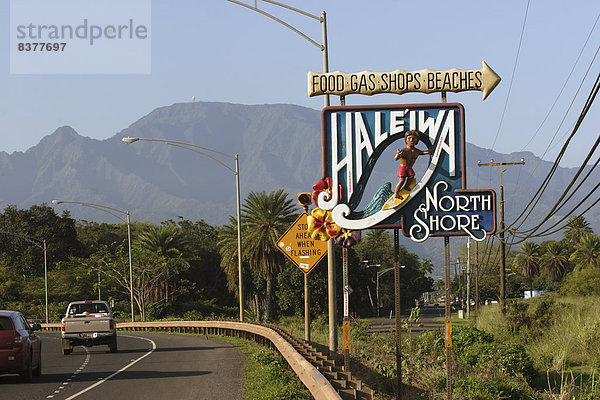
<point>279,146</point>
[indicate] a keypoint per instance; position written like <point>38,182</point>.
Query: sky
<point>215,50</point>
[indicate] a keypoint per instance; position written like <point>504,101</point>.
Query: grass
<point>268,376</point>
<point>562,336</point>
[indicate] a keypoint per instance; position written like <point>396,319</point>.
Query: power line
<point>535,199</point>
<point>564,85</point>
<point>561,153</point>
<point>512,78</point>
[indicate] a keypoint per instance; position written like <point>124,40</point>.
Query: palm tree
<point>587,252</point>
<point>554,261</point>
<point>265,218</point>
<point>527,260</point>
<point>576,228</point>
<point>228,248</point>
<point>167,243</point>
<point>166,240</point>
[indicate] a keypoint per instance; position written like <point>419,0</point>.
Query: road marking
<point>119,371</point>
<point>81,367</point>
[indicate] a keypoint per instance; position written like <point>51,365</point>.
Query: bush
<point>583,282</point>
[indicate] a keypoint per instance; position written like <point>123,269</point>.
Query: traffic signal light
<point>304,199</point>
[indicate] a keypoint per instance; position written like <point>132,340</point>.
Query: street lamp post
<point>42,245</point>
<point>324,50</point>
<point>203,151</point>
<point>127,220</point>
<point>379,273</point>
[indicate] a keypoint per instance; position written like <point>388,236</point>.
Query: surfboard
<point>394,201</point>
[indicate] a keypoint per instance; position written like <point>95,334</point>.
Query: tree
<point>378,248</point>
<point>587,252</point>
<point>265,218</point>
<point>167,242</point>
<point>576,228</point>
<point>202,252</point>
<point>554,261</point>
<point>38,223</point>
<point>527,260</point>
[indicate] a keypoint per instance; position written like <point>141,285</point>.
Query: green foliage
<point>559,333</point>
<point>269,377</point>
<point>527,261</point>
<point>576,228</point>
<point>587,252</point>
<point>584,282</point>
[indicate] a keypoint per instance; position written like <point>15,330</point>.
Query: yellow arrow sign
<point>297,245</point>
<point>424,81</point>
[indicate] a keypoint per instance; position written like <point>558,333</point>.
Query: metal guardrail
<point>319,387</point>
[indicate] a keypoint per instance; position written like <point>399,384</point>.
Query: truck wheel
<point>112,346</point>
<point>67,347</point>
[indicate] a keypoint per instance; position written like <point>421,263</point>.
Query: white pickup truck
<point>88,323</point>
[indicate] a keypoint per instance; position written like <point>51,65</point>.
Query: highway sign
<point>297,245</point>
<point>399,82</point>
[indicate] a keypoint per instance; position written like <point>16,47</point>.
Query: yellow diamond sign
<point>299,247</point>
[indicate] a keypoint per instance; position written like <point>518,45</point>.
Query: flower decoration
<point>321,225</point>
<point>323,185</point>
<point>348,238</point>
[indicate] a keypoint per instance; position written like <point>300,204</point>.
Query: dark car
<point>20,347</point>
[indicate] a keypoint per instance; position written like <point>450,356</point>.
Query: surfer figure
<point>407,157</point>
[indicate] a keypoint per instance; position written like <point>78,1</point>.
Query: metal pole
<point>477,278</point>
<point>468,277</point>
<point>377,293</point>
<point>447,317</point>
<point>332,306</point>
<point>306,300</point>
<point>325,51</point>
<point>130,265</point>
<point>239,237</point>
<point>346,307</point>
<point>306,309</point>
<point>398,310</point>
<point>46,279</point>
<point>99,296</point>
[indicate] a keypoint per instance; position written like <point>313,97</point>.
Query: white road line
<point>119,371</point>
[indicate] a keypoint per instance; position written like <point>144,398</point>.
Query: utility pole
<point>499,166</point>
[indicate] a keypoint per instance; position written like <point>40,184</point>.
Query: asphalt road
<point>146,366</point>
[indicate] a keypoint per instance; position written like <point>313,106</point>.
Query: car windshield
<point>5,324</point>
<point>79,310</point>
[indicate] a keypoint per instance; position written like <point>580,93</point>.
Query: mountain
<point>279,146</point>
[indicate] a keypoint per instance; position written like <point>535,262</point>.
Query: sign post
<point>304,252</point>
<point>435,204</point>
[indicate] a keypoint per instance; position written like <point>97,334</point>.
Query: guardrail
<point>315,382</point>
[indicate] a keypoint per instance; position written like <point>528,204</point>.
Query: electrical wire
<point>564,85</point>
<point>535,199</point>
<point>512,78</point>
<point>549,147</point>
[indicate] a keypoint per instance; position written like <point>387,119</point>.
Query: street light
<point>203,151</point>
<point>323,48</point>
<point>112,211</point>
<point>42,245</point>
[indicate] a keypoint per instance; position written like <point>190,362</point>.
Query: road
<point>146,366</point>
